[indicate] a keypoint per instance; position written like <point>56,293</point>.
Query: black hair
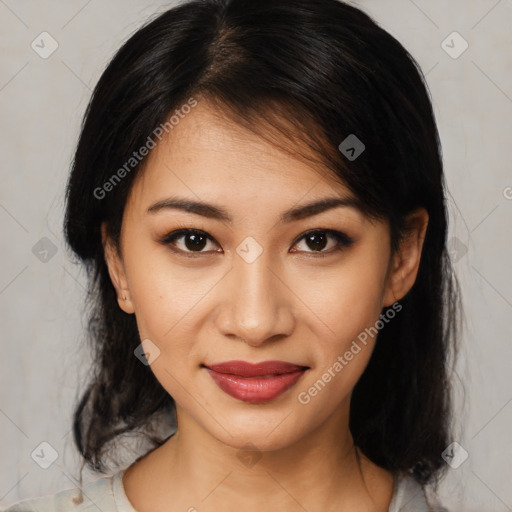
<point>317,71</point>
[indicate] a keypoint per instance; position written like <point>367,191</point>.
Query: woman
<point>258,197</point>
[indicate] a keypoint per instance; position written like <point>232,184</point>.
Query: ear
<point>405,263</point>
<point>116,271</point>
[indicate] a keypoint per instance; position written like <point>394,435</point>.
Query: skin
<point>289,304</point>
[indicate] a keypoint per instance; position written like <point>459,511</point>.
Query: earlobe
<point>406,261</point>
<point>116,272</point>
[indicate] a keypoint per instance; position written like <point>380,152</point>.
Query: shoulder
<point>409,496</point>
<point>97,495</point>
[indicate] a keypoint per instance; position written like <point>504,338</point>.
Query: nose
<point>257,304</point>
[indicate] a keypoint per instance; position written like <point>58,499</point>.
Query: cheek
<point>348,303</point>
<point>344,304</point>
<point>164,294</point>
<point>348,297</point>
<point>166,300</point>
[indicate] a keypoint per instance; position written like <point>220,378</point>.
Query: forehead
<point>207,155</point>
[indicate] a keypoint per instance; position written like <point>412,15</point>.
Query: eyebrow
<point>293,214</point>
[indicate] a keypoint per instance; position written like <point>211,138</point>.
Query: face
<point>221,261</point>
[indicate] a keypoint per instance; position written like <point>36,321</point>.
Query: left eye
<point>319,241</point>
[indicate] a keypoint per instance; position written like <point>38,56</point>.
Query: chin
<point>265,432</point>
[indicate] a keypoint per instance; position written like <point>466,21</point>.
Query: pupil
<point>195,242</point>
<point>317,241</point>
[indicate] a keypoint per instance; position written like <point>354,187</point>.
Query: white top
<point>107,494</point>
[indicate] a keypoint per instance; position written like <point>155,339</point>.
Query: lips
<point>255,383</point>
<point>244,369</point>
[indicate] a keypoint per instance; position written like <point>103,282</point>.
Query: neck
<point>192,470</point>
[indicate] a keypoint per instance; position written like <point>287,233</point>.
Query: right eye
<point>188,241</point>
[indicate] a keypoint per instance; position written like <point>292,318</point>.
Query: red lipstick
<point>255,383</point>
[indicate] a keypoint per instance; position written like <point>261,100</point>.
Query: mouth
<point>255,383</point>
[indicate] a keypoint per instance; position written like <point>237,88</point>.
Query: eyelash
<point>342,240</point>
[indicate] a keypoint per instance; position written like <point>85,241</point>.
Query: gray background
<point>41,105</point>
